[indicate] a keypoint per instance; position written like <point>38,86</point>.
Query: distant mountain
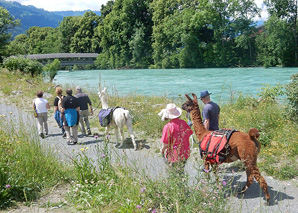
<point>31,16</point>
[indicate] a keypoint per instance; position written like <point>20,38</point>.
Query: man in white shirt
<point>41,105</point>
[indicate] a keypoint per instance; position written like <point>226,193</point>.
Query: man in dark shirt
<point>210,112</point>
<point>84,100</point>
<point>70,113</point>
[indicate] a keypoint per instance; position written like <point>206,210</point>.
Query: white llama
<point>120,118</point>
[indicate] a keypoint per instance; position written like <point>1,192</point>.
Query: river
<point>221,82</point>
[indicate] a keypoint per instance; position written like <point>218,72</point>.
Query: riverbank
<point>147,126</point>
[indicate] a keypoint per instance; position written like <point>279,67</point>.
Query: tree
<point>7,23</point>
<point>82,41</point>
<point>286,10</point>
<point>66,31</point>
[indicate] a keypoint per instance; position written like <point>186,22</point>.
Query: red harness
<point>215,146</point>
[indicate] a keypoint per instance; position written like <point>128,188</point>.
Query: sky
<point>63,5</point>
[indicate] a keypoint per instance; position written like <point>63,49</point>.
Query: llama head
<point>190,104</point>
<point>103,95</point>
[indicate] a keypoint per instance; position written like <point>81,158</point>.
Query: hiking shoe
<point>71,143</point>
<point>89,132</point>
<point>41,135</point>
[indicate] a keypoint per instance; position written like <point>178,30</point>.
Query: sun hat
<point>204,93</point>
<point>172,111</point>
<point>78,88</point>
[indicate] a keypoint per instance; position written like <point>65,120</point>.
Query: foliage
<point>24,65</point>
<point>26,169</point>
<point>52,68</point>
<point>120,187</point>
<point>7,23</point>
<point>292,98</point>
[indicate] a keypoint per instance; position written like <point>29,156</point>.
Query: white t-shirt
<point>41,105</point>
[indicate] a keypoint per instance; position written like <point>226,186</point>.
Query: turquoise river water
<point>221,82</point>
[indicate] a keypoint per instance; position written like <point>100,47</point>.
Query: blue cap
<point>204,93</point>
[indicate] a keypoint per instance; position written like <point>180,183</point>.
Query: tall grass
<point>106,186</point>
<point>26,167</point>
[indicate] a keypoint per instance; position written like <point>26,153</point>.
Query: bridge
<point>66,59</point>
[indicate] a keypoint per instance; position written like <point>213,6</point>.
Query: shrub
<point>292,98</point>
<point>52,68</point>
<point>25,65</point>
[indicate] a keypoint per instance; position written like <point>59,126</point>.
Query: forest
<point>167,34</point>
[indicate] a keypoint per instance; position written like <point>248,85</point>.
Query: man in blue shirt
<point>210,111</point>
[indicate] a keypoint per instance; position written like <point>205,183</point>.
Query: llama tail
<point>127,116</point>
<point>254,135</point>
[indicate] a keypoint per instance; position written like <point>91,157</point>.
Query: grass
<point>26,167</point>
<point>106,185</point>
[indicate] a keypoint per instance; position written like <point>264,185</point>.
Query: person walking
<point>84,101</point>
<point>210,111</point>
<point>175,139</point>
<point>58,108</point>
<point>41,106</point>
<point>70,115</point>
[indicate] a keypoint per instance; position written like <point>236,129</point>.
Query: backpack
<point>215,147</point>
<point>60,103</point>
<point>105,116</point>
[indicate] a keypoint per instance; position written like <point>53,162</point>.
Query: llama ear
<point>194,96</point>
<point>188,97</point>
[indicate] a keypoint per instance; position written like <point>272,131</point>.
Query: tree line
<point>168,34</point>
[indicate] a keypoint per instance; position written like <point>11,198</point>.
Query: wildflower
<point>95,136</point>
<point>18,141</point>
<point>205,170</point>
<point>139,206</point>
<point>82,149</point>
<point>143,189</point>
<point>154,211</point>
<point>7,186</point>
<point>103,155</point>
<point>224,183</point>
<point>107,136</point>
<point>86,148</point>
<point>18,161</point>
<point>10,112</point>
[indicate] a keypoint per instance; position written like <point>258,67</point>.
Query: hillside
<point>31,16</point>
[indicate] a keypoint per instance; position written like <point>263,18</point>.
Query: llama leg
<point>263,184</point>
<point>249,179</point>
<point>107,132</point>
<point>117,136</point>
<point>129,127</point>
<point>121,136</point>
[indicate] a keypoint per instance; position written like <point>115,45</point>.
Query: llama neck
<point>104,103</point>
<point>197,122</point>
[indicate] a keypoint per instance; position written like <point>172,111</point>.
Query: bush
<point>25,65</point>
<point>52,68</point>
<point>292,98</point>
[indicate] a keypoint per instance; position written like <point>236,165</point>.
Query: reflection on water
<point>222,82</point>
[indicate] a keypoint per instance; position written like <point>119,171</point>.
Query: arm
<point>207,123</point>
<point>163,149</point>
<point>48,105</point>
<point>91,110</point>
<point>55,109</point>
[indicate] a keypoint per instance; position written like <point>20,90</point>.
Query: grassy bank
<point>103,186</point>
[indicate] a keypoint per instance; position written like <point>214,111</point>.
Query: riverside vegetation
<point>27,170</point>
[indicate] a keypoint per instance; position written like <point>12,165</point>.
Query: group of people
<point>176,133</point>
<point>69,111</point>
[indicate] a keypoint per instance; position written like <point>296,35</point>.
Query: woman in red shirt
<point>175,138</point>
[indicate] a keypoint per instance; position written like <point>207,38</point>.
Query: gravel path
<point>284,194</point>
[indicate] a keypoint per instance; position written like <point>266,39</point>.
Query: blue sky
<point>62,5</point>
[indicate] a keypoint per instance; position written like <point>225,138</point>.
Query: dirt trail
<point>284,194</point>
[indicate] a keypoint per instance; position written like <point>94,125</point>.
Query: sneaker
<point>89,132</point>
<point>41,135</point>
<point>71,143</point>
<point>64,135</point>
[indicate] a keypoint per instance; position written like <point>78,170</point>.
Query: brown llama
<point>243,146</point>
